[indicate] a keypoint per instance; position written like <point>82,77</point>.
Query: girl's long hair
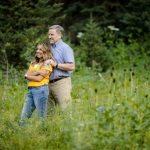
<point>47,54</point>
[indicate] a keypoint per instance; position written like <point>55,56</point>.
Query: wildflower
<point>134,65</point>
<point>133,73</point>
<point>113,28</point>
<point>113,68</point>
<point>79,35</point>
<point>111,74</point>
<point>95,90</point>
<point>114,80</point>
<point>101,108</point>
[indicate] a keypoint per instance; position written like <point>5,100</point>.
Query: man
<point>64,64</point>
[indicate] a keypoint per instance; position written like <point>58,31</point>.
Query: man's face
<point>53,36</point>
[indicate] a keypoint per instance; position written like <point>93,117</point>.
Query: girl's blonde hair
<point>47,54</point>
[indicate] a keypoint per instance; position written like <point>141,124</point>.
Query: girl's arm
<point>36,76</point>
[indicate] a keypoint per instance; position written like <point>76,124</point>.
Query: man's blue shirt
<point>62,54</point>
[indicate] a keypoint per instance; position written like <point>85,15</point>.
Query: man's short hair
<point>58,28</point>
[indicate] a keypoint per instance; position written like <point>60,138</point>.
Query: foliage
<point>101,48</point>
<point>132,54</point>
<point>109,111</point>
<point>92,50</point>
<point>135,19</point>
<point>130,16</point>
<point>23,23</point>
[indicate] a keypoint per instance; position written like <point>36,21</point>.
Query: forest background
<point>102,33</point>
<point>111,43</point>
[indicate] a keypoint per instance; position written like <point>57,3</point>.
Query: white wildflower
<point>79,35</point>
<point>113,28</point>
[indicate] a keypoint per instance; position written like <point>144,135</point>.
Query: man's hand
<point>65,66</point>
<point>52,62</point>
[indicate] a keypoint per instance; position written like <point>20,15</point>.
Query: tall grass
<point>109,111</point>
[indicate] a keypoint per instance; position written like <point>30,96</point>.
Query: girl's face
<point>39,52</point>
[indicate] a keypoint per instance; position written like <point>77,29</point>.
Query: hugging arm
<point>36,76</point>
<point>65,66</point>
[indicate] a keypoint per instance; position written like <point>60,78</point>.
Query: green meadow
<point>109,111</point>
<point>110,107</point>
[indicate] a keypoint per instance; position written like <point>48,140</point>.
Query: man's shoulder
<point>64,45</point>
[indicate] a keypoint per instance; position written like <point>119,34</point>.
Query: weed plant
<point>109,111</point>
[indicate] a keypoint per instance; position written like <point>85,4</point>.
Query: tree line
<point>105,25</point>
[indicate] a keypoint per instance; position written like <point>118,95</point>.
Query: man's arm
<point>66,66</point>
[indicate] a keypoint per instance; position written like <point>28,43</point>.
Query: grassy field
<point>110,111</point>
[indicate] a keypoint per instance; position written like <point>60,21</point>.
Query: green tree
<point>92,50</point>
<point>130,16</point>
<point>18,17</point>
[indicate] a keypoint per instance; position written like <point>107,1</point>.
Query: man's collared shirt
<point>62,53</point>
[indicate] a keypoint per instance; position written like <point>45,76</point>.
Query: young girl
<point>38,91</point>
